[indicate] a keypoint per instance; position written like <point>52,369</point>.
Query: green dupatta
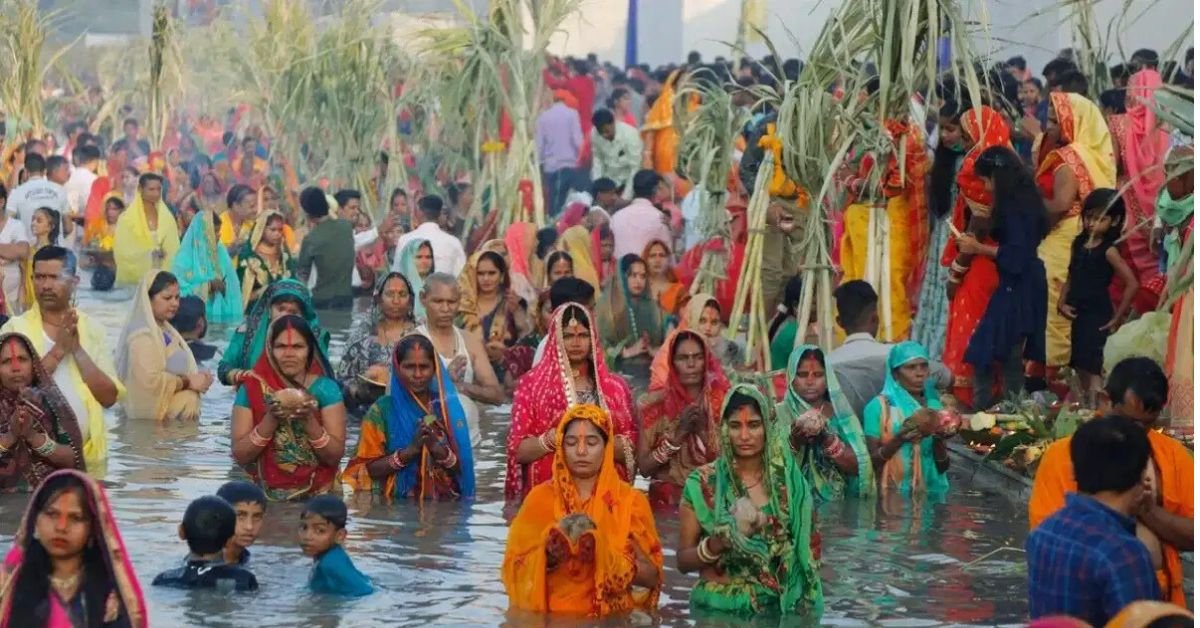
<point>775,570</point>
<point>623,317</point>
<point>823,475</point>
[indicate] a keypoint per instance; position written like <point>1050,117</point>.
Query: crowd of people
<point>1017,250</point>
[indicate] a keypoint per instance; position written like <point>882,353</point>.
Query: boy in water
<point>208,524</point>
<point>322,531</point>
<point>250,504</point>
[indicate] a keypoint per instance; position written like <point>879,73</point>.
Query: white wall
<point>668,29</point>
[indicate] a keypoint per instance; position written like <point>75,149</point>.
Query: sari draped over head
<point>912,468</point>
<point>675,292</point>
<point>151,357</point>
<point>661,408</point>
<point>288,468</point>
<point>578,243</point>
<point>408,266</point>
<point>125,600</point>
<point>690,320</point>
<point>623,317</point>
<point>624,529</point>
<point>571,216</point>
<point>391,425</point>
<point>250,338</point>
<point>257,272</point>
<point>137,249</point>
<point>659,133</point>
<point>1144,143</point>
<point>1175,214</point>
<point>20,469</point>
<point>468,288</point>
<point>545,392</point>
<point>521,242</point>
<point>202,259</point>
<point>822,473</point>
<point>777,569</point>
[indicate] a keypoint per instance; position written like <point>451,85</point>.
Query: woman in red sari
<point>571,371</point>
<point>680,418</point>
<point>973,279</point>
<point>292,450</point>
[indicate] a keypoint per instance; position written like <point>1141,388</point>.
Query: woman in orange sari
<point>1077,157</point>
<point>973,278</point>
<point>584,543</point>
<point>664,286</point>
<point>681,417</point>
<point>659,137</point>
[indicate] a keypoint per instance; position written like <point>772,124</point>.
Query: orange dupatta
<point>623,519</point>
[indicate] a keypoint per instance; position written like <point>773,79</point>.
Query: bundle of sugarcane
<point>23,34</point>
<point>165,81</point>
<point>707,134</point>
<point>758,344</point>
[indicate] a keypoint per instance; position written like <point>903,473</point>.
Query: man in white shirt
<point>448,254</point>
<point>616,150</point>
<point>37,191</point>
<point>58,170</point>
<point>79,185</point>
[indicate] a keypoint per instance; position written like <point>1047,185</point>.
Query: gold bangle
<point>258,440</point>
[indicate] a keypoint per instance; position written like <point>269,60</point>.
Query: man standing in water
<point>327,251</point>
<point>71,345</point>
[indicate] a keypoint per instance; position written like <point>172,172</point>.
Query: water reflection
<point>439,563</point>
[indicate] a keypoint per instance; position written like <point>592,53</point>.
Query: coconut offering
<point>949,422</point>
<point>810,423</point>
<point>747,516</point>
<point>575,524</point>
<point>293,401</point>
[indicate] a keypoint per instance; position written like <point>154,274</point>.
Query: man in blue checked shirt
<point>1086,560</point>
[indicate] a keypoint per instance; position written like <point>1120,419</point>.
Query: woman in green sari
<point>746,523</point>
<point>826,437</point>
<point>632,325</point>
<point>286,296</point>
<point>265,258</point>
<point>205,270</point>
<point>416,263</point>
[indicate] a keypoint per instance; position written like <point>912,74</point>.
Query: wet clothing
<point>334,573</point>
<point>207,574</point>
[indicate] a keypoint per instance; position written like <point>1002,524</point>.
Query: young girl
<point>1085,301</point>
<point>45,228</point>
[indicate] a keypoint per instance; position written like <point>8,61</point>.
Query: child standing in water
<point>322,532</point>
<point>250,504</point>
<point>1085,299</point>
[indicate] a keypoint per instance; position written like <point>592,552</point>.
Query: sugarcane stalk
<point>756,220</point>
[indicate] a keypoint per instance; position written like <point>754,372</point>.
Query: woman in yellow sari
<point>578,242</point>
<point>147,237</point>
<point>583,543</point>
<point>1078,158</point>
<point>160,375</point>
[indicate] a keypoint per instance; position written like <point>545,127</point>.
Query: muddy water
<point>439,565</point>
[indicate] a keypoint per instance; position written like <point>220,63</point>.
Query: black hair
<point>792,293</point>
<point>34,163</point>
<point>1177,619</point>
<point>55,223</point>
<point>546,238</point>
<point>31,588</point>
<point>129,121</point>
<point>1072,82</point>
<point>693,57</point>
<point>1013,188</point>
<point>430,206</point>
<point>396,192</point>
<point>688,334</point>
<point>454,191</point>
<point>237,193</point>
<point>345,196</point>
<point>1103,202</point>
<point>300,325</point>
<point>571,290</point>
<point>792,68</point>
<point>602,117</point>
<point>576,312</point>
<point>413,341</point>
<point>87,153</point>
<point>1109,454</point>
<point>628,261</point>
<point>945,162</point>
<point>1017,62</point>
<point>1144,58</point>
<point>3,191</point>
<point>1113,99</point>
<point>617,94</point>
<point>497,260</point>
<point>603,434</point>
<point>556,257</point>
<point>313,202</point>
<point>287,297</point>
<point>328,507</point>
<point>601,185</point>
<point>818,355</point>
<point>645,182</point>
<point>1143,377</point>
<point>162,281</point>
<point>856,299</point>
<point>395,274</point>
<point>54,162</point>
<point>148,177</point>
<point>188,316</point>
<point>1119,73</point>
<point>1037,82</point>
<point>241,492</point>
<point>1056,67</point>
<point>737,401</point>
<point>208,524</point>
<point>51,253</point>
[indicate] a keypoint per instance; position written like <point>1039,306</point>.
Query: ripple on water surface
<point>439,565</point>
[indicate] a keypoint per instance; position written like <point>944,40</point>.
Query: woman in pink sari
<point>69,525</point>
<point>572,371</point>
<point>1141,147</point>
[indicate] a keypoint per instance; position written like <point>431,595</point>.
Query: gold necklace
<point>65,586</point>
<point>750,486</point>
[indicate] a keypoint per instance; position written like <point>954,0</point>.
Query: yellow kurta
<point>855,244</point>
<point>134,244</point>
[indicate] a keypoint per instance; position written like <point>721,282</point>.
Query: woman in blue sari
<point>286,296</point>
<point>205,270</point>
<point>900,425</point>
<point>414,441</point>
<point>833,458</point>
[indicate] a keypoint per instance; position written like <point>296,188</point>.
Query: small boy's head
<point>208,523</point>
<point>250,504</point>
<point>1137,388</point>
<point>322,524</point>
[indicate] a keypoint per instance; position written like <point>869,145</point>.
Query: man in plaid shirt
<point>1086,560</point>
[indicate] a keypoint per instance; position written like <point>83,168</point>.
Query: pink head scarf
<point>1145,142</point>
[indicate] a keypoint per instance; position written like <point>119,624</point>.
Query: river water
<point>439,564</point>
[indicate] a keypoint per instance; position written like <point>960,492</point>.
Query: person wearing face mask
<point>159,372</point>
<point>287,296</point>
<point>363,371</point>
<point>414,441</point>
<point>265,258</point>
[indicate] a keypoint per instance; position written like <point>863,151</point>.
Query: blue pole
<point>631,32</point>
